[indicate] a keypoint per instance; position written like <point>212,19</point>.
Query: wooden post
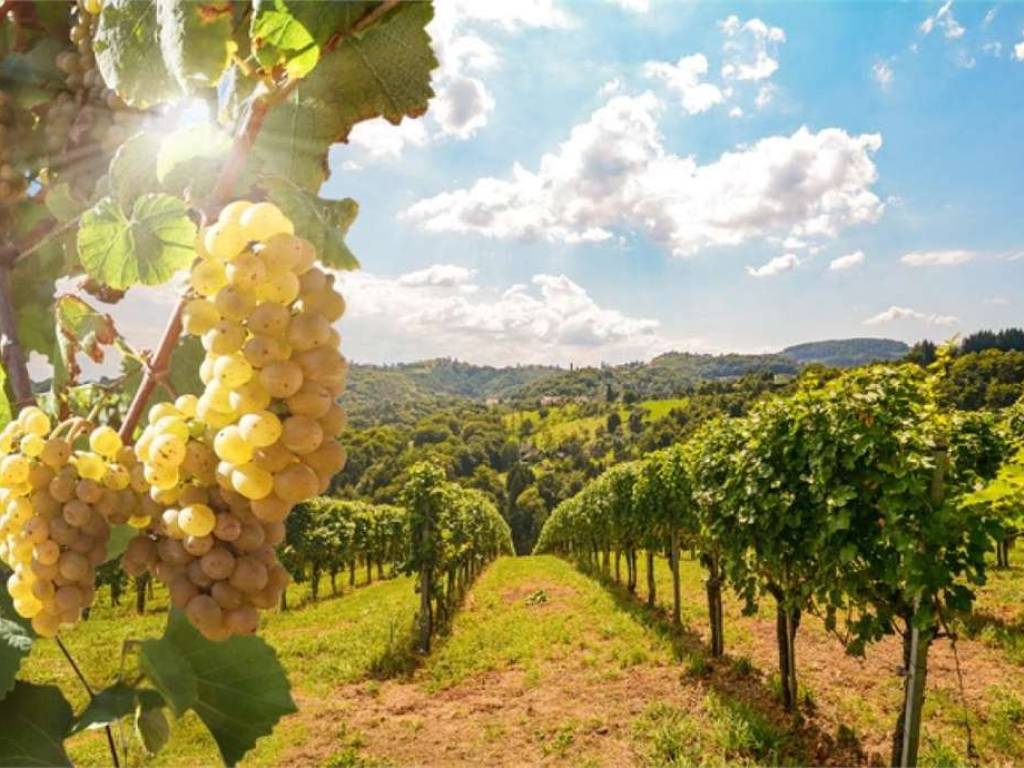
<point>651,599</point>
<point>677,611</point>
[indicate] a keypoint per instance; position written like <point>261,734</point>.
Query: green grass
<point>564,421</point>
<point>321,645</point>
<point>502,627</point>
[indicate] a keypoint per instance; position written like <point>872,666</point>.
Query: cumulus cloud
<point>636,6</point>
<point>944,18</point>
<point>883,74</point>
<point>684,79</point>
<point>779,264</point>
<point>895,313</point>
<point>849,261</point>
<point>993,49</point>
<point>551,320</point>
<point>1018,51</point>
<point>614,173</point>
<point>937,258</point>
<point>990,15</point>
<point>751,48</point>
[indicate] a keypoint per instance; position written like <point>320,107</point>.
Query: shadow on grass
<point>738,683</point>
<point>996,631</point>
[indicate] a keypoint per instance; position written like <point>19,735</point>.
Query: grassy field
<point>565,421</point>
<point>547,665</point>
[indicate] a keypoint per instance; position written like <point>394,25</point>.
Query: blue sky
<point>603,181</point>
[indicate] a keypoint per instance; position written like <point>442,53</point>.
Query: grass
<point>321,645</point>
<point>564,421</point>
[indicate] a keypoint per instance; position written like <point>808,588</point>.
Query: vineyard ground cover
<point>561,422</point>
<point>360,633</point>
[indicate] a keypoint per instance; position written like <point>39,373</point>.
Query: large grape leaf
<point>195,38</point>
<point>80,329</point>
<point>16,637</point>
<point>323,222</point>
<point>383,71</point>
<point>147,247</point>
<point>291,34</point>
<point>133,168</point>
<point>129,55</point>
<point>241,688</point>
<point>34,719</point>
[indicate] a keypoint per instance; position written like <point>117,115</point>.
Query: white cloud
<point>990,15</point>
<point>944,18</point>
<point>736,112</point>
<point>751,48</point>
<point>895,313</point>
<point>964,60</point>
<point>937,258</point>
<point>463,103</point>
<point>551,320</point>
<point>775,266</point>
<point>611,87</point>
<point>883,73</point>
<point>765,94</point>
<point>614,172</point>
<point>1018,50</point>
<point>848,261</point>
<point>994,49</point>
<point>636,6</point>
<point>443,275</point>
<point>997,301</point>
<point>684,80</point>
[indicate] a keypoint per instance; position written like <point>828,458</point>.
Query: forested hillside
<point>844,353</point>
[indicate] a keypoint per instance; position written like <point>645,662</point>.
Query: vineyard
<point>240,547</point>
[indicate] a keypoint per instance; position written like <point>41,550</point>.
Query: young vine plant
<point>186,463</point>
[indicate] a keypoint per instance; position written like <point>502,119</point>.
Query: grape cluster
<point>231,464</point>
<point>57,508</point>
<point>12,183</point>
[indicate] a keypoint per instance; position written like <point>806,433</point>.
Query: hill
<point>846,353</point>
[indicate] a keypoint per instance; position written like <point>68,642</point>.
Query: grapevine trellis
<point>858,500</point>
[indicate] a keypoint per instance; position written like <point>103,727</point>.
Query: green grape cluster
<point>58,505</point>
<point>261,438</point>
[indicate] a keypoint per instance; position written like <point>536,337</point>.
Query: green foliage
<point>323,222</point>
<point>35,720</point>
<point>129,54</point>
<point>16,637</point>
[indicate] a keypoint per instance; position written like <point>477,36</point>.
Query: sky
<point>605,181</point>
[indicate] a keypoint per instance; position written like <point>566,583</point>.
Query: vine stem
<point>88,689</point>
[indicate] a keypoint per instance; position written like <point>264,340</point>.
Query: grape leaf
<point>170,673</point>
<point>292,33</point>
<point>152,728</point>
<point>242,690</point>
<point>35,721</point>
<point>384,71</point>
<point>120,536</point>
<point>190,158</point>
<point>16,637</point>
<point>157,240</point>
<point>80,329</point>
<point>129,55</point>
<point>62,203</point>
<point>323,222</point>
<point>195,38</point>
<point>111,704</point>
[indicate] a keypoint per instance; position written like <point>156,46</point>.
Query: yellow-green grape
<point>32,445</point>
<point>234,302</point>
<point>233,211</point>
<point>160,410</point>
<point>214,419</point>
<point>308,330</point>
<point>197,520</point>
<point>250,397</point>
<point>167,451</point>
<point>208,277</point>
<point>230,445</point>
<point>252,482</point>
<point>172,425</point>
<point>260,429</point>
<point>105,441</point>
<point>34,420</point>
<point>262,221</point>
<point>328,459</point>
<point>282,379</point>
<point>301,434</point>
<point>186,404</point>
<point>261,351</point>
<point>218,395</point>
<point>90,466</point>
<point>225,239</point>
<point>296,483</point>
<point>232,371</point>
<point>268,319</point>
<point>118,477</point>
<point>313,399</point>
<point>280,287</point>
<point>224,338</point>
<point>326,302</point>
<point>93,7</point>
<point>206,369</point>
<point>199,316</point>
<point>161,476</point>
<point>55,453</point>
<point>246,272</point>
